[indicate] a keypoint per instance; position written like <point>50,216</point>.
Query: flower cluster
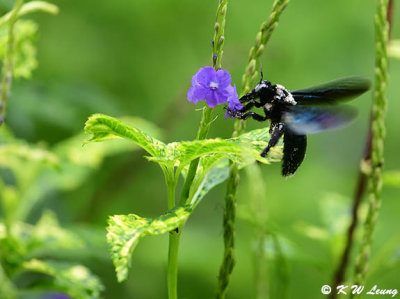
<point>215,88</point>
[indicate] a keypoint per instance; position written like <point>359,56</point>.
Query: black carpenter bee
<point>295,114</point>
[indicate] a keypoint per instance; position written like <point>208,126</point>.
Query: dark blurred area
<point>136,58</point>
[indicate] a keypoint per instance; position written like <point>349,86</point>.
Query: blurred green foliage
<point>136,58</point>
<point>25,58</point>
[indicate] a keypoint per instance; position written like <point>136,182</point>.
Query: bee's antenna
<point>261,71</point>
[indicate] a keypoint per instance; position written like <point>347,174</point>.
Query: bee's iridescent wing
<point>304,120</point>
<point>332,91</point>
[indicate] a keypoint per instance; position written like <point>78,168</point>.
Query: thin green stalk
<point>172,273</point>
<point>28,8</point>
<point>257,194</point>
<point>340,272</point>
<point>263,36</point>
<point>206,119</point>
<point>173,250</point>
<point>239,126</point>
<point>378,137</point>
<point>8,63</point>
<point>202,133</point>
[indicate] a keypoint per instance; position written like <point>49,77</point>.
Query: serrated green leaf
<point>125,231</point>
<point>391,178</point>
<point>241,150</point>
<point>101,127</point>
<point>217,175</point>
<point>75,280</point>
<point>207,179</point>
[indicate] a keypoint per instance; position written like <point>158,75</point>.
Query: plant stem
<point>173,247</point>
<point>8,63</point>
<point>28,8</point>
<point>263,36</point>
<point>378,137</point>
<point>202,133</point>
<point>206,119</point>
<point>239,126</point>
<point>339,274</point>
<point>173,250</point>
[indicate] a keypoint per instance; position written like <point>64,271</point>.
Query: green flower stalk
<point>206,119</point>
<point>378,137</point>
<point>205,123</point>
<point>233,181</point>
<point>8,63</point>
<point>263,36</point>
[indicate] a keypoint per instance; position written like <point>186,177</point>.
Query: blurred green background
<point>136,58</point>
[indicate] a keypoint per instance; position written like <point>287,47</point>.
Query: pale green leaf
<point>92,155</point>
<point>217,175</point>
<point>242,150</point>
<point>252,142</point>
<point>101,127</point>
<point>75,280</point>
<point>259,140</point>
<point>125,231</point>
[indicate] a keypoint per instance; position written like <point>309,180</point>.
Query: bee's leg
<point>276,130</point>
<point>253,115</point>
<point>248,96</point>
<point>250,105</point>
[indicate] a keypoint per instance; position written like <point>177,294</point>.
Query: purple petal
<point>194,80</point>
<point>222,95</point>
<point>198,93</point>
<point>223,78</point>
<point>212,99</point>
<point>206,75</point>
<point>233,102</point>
<point>201,93</point>
<point>231,91</point>
<point>190,95</point>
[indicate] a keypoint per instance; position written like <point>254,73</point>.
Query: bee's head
<point>265,84</point>
<point>264,91</point>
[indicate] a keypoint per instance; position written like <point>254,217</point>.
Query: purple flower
<point>211,86</point>
<point>233,103</point>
